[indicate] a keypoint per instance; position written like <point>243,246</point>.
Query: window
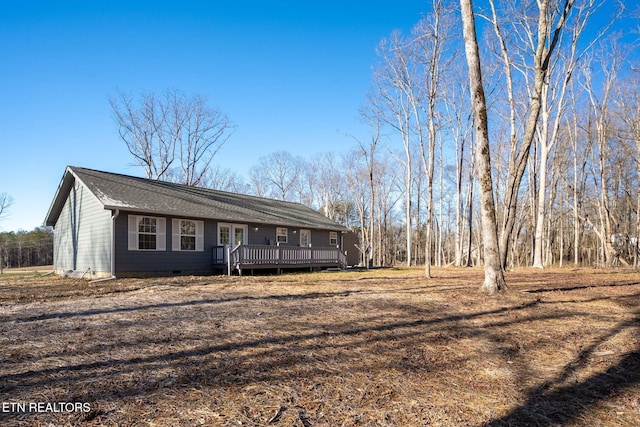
<point>188,235</point>
<point>305,238</point>
<point>333,238</point>
<point>224,234</point>
<point>238,235</point>
<point>281,235</point>
<point>146,233</point>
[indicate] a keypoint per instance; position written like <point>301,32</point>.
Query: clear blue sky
<point>290,74</point>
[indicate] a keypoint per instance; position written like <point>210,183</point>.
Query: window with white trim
<point>333,238</point>
<point>187,235</point>
<point>239,234</point>
<point>282,235</point>
<point>305,238</point>
<point>147,233</point>
<point>224,234</point>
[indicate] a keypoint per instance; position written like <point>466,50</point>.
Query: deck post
<point>229,260</point>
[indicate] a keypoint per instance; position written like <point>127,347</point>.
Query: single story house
<point>108,225</point>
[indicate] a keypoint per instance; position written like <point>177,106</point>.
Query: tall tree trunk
<point>469,209</point>
<point>541,65</point>
<point>637,236</point>
<point>494,276</point>
<point>541,206</point>
<point>459,216</point>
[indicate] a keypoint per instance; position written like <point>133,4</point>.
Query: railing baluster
<point>264,254</point>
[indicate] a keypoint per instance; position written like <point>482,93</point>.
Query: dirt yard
<point>377,348</point>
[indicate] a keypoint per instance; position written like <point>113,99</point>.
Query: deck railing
<point>265,256</point>
<point>219,256</point>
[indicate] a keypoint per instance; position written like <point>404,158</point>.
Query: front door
<point>232,234</point>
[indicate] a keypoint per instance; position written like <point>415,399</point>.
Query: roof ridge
<point>187,187</point>
<point>144,195</point>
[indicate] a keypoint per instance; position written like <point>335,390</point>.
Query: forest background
<point>409,189</point>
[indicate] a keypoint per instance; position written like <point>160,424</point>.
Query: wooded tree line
<point>26,248</point>
<point>562,113</point>
<point>561,106</point>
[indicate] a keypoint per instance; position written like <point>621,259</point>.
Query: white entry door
<point>232,234</point>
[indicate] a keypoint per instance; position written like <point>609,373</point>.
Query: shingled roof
<point>141,195</point>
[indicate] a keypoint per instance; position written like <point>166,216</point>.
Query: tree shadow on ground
<point>552,404</point>
<point>580,287</point>
<point>65,373</point>
<point>315,348</point>
<point>170,305</point>
<point>546,407</point>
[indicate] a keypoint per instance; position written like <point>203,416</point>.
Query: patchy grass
<point>377,348</point>
<point>22,272</point>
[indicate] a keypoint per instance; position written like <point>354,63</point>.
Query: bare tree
<point>371,113</point>
<point>6,201</point>
<point>158,130</point>
<point>329,183</point>
<point>224,179</point>
<point>257,184</point>
<point>143,124</point>
<point>276,175</point>
<point>580,148</point>
<point>553,103</point>
<point>370,156</point>
<point>459,121</point>
<point>356,178</point>
<point>494,276</point>
<point>601,102</point>
<point>628,111</point>
<point>432,36</point>
<point>542,45</point>
<point>392,80</point>
<point>205,131</point>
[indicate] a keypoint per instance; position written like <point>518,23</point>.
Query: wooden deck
<point>250,257</point>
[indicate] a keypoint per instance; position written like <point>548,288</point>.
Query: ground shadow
<point>41,377</point>
<point>562,405</point>
<point>314,349</point>
<point>550,405</point>
<point>94,312</point>
<point>575,288</point>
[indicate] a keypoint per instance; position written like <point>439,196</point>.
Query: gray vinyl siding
<point>82,236</point>
<point>137,262</point>
<point>266,235</point>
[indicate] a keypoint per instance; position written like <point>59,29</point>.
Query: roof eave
<point>66,182</point>
<point>235,219</point>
